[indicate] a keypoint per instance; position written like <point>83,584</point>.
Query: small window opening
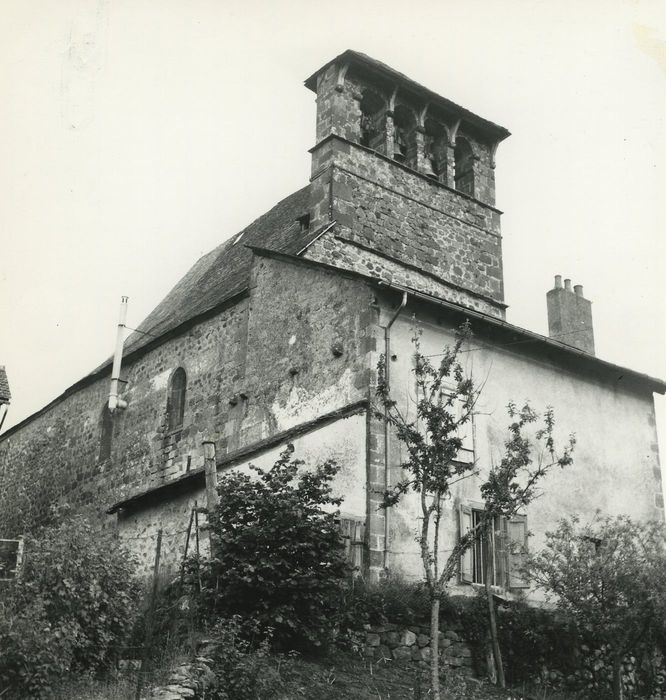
<point>464,166</point>
<point>304,223</point>
<point>176,399</point>
<point>106,436</point>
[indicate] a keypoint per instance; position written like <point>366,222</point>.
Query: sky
<point>137,135</point>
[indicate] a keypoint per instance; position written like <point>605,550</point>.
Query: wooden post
<point>187,544</point>
<point>212,497</point>
<point>148,641</point>
<point>210,466</point>
<point>196,540</point>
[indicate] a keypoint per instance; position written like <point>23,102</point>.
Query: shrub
<point>392,599</point>
<point>241,667</point>
<point>610,577</point>
<point>278,558</point>
<point>69,609</point>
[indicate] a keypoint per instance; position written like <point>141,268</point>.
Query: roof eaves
<point>655,384</point>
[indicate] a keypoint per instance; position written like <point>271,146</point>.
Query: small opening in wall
<point>304,223</point>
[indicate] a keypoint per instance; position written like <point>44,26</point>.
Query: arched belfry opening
<point>435,150</point>
<point>404,136</point>
<point>372,121</point>
<point>464,167</point>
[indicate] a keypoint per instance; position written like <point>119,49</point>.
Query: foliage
<point>610,577</point>
<point>389,600</point>
<point>241,668</point>
<point>69,609</point>
<point>278,558</point>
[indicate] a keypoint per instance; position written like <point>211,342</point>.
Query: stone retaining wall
<point>413,644</point>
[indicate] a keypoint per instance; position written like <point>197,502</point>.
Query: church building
<point>274,337</point>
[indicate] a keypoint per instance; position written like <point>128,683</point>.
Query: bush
<point>241,668</point>
<point>69,610</point>
<point>610,578</point>
<point>278,557</point>
<point>392,599</point>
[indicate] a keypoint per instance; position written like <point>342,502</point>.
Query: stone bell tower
<point>406,181</point>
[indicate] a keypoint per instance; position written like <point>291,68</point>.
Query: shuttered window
<point>505,545</point>
<point>352,533</point>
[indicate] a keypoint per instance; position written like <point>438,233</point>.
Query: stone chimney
<point>570,316</point>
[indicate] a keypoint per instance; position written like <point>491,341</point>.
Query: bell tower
<point>406,180</point>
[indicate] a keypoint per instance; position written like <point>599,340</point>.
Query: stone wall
<point>301,346</point>
<point>55,456</point>
<point>412,643</point>
<point>417,232</point>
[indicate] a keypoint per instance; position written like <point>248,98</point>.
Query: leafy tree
<point>610,576</point>
<point>446,399</point>
<point>69,609</point>
<point>279,561</point>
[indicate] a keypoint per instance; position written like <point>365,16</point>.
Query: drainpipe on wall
<point>387,468</point>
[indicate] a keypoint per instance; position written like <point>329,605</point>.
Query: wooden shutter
<point>466,559</point>
<point>499,550</point>
<point>516,551</point>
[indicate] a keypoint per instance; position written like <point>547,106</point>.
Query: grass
<point>337,676</point>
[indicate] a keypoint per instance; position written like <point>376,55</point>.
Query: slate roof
<point>224,272</point>
<point>5,394</point>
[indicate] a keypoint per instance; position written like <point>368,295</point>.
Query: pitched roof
<point>224,272</point>
<point>5,394</point>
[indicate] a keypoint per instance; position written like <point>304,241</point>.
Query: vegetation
<point>278,559</point>
<point>69,610</point>
<point>446,399</point>
<point>609,577</point>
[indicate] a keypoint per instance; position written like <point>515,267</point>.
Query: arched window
<point>106,434</point>
<point>464,162</point>
<point>404,136</point>
<point>176,399</point>
<point>372,130</point>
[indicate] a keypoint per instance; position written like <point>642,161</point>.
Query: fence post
<point>148,641</point>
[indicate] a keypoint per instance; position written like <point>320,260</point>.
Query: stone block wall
<point>311,336</point>
<point>55,456</point>
<point>412,643</point>
<point>400,225</point>
<point>301,346</point>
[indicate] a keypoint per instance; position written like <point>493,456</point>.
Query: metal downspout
<point>387,468</point>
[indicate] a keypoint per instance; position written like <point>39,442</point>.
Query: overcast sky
<point>137,135</point>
